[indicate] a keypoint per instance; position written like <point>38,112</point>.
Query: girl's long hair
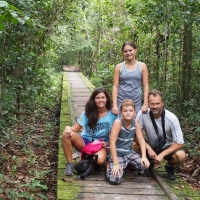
<point>91,108</point>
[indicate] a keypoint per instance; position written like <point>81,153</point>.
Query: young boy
<point>123,131</point>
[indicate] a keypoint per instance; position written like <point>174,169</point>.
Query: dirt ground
<point>29,159</point>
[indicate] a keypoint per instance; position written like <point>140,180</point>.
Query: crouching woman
<point>96,121</point>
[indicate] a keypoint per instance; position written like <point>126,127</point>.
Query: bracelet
<point>145,105</point>
<point>115,164</point>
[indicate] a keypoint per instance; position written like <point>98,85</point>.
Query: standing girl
<point>129,77</point>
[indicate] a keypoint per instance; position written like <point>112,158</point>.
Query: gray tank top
<point>125,139</point>
<point>130,83</point>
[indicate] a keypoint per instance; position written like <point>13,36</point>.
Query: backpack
<point>86,164</point>
<point>84,167</point>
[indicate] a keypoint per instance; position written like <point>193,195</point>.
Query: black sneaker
<point>170,172</point>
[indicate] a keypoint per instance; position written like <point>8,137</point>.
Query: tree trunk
<point>186,61</point>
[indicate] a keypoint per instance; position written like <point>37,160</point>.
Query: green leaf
<point>21,20</point>
<point>14,14</point>
<point>14,8</point>
<point>3,4</point>
<point>1,26</point>
<point>7,134</point>
<point>27,18</point>
<point>42,196</point>
<point>14,20</point>
<point>2,17</point>
<point>24,194</point>
<point>4,112</point>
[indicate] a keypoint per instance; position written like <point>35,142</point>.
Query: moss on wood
<point>66,186</point>
<point>180,188</point>
<point>87,82</point>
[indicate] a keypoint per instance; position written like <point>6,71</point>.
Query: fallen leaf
<point>176,187</point>
<point>20,177</point>
<point>188,166</point>
<point>196,172</point>
<point>14,182</point>
<point>190,162</point>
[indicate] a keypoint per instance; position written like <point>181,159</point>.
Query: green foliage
<point>28,60</point>
<point>160,30</point>
<point>30,86</point>
<point>31,193</point>
<point>104,76</point>
<point>11,14</point>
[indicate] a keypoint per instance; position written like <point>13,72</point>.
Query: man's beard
<point>156,111</point>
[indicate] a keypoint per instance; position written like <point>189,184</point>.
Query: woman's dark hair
<point>132,44</point>
<point>91,108</point>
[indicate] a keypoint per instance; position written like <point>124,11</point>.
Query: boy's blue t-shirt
<point>102,129</point>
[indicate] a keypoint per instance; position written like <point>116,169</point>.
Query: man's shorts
<point>169,157</point>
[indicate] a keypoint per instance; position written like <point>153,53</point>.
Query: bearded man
<point>164,137</point>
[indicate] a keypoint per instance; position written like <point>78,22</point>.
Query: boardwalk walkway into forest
<point>76,91</point>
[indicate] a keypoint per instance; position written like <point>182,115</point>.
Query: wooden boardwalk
<point>96,187</point>
<point>76,91</point>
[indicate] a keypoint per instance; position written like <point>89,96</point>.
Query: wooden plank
<point>118,190</point>
<point>78,85</point>
<point>77,94</point>
<point>83,90</point>
<point>122,185</point>
<point>88,196</point>
<point>79,99</point>
<point>97,177</point>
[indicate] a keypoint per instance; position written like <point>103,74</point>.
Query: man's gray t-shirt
<point>172,128</point>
